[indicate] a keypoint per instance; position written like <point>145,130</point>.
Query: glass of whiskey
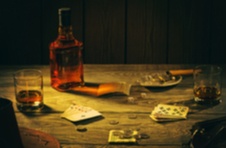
<point>207,84</point>
<point>28,84</point>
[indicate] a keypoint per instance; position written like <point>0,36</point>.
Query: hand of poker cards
<point>164,112</point>
<point>77,112</point>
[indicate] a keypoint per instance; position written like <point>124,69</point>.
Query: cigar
<point>180,72</point>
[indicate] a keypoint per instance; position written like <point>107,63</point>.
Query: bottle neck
<point>65,33</point>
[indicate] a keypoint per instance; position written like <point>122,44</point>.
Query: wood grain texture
<point>146,31</point>
<point>104,31</point>
<point>118,31</point>
<point>170,134</point>
<point>218,33</point>
<point>114,107</point>
<point>193,26</point>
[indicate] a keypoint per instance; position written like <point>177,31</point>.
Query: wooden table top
<point>115,107</point>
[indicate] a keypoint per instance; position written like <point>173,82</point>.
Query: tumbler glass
<point>207,84</point>
<point>28,84</point>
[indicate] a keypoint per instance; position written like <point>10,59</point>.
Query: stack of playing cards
<point>77,112</point>
<point>164,112</point>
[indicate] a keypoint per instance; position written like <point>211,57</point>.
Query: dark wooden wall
<point>117,31</point>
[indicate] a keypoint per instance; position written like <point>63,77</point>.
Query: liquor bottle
<point>66,64</point>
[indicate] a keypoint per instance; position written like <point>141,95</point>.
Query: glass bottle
<point>66,64</point>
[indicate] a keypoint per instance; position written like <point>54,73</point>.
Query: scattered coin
<point>132,116</point>
<point>81,128</point>
<point>142,136</point>
<point>117,133</point>
<point>131,100</point>
<point>127,134</point>
<point>113,122</point>
<point>143,95</point>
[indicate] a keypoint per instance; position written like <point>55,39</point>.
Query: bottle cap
<point>64,16</point>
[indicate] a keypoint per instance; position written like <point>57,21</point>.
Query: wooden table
<point>114,107</point>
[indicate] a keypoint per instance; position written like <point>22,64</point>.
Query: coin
<point>142,136</point>
<point>132,116</point>
<point>117,133</point>
<point>143,95</point>
<point>127,134</point>
<point>81,128</point>
<point>131,100</point>
<point>113,122</point>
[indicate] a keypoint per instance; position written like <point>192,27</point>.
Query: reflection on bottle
<point>66,63</point>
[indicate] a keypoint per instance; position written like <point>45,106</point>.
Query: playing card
<point>78,112</point>
<point>164,112</point>
<point>170,111</point>
<point>122,136</point>
<point>161,119</point>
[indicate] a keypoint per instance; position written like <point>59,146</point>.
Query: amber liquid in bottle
<point>66,64</point>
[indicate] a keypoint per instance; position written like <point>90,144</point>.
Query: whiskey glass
<point>207,84</point>
<point>28,84</point>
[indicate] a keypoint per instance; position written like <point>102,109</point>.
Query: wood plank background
<point>117,31</point>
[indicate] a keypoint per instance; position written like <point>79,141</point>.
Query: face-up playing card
<point>164,112</point>
<point>77,112</point>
